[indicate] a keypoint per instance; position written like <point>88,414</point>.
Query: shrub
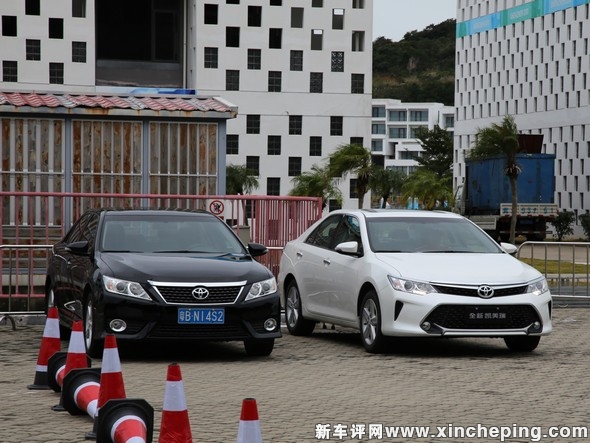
<point>585,223</point>
<point>563,224</point>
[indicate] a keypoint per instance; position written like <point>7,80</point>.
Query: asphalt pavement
<point>310,387</point>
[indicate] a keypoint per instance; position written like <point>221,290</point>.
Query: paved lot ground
<point>328,379</point>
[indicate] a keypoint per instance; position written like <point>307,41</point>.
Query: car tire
<point>259,347</point>
<point>522,344</point>
<point>64,331</point>
<point>94,346</point>
<point>296,324</point>
<point>370,323</point>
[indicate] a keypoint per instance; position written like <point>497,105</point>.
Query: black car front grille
<point>472,292</point>
<point>483,317</point>
<point>183,294</point>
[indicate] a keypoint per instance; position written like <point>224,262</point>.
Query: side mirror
<point>256,249</point>
<point>347,248</point>
<point>509,248</point>
<point>78,247</point>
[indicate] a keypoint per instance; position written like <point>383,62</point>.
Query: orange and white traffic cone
<point>76,358</point>
<point>175,426</point>
<point>125,421</point>
<point>111,378</point>
<point>50,344</point>
<point>249,429</point>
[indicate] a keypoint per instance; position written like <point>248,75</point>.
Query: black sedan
<point>162,275</point>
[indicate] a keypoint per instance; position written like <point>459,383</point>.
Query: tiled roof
<point>155,103</point>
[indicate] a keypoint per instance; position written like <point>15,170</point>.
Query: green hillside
<point>418,68</point>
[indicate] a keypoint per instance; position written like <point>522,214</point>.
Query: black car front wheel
<point>94,345</point>
<point>521,343</point>
<point>259,347</point>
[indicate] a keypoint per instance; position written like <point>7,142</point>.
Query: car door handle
<point>326,261</point>
<point>299,254</point>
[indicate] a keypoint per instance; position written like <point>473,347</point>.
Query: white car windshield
<point>428,234</point>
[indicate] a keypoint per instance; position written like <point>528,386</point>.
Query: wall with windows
<point>529,59</point>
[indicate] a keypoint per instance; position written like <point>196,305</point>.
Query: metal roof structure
<point>170,106</point>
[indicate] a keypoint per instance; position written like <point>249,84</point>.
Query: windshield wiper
<point>122,250</point>
<point>180,251</point>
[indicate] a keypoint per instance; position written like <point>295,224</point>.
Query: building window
<point>353,193</point>
<point>294,166</point>
<point>336,125</point>
<point>274,81</point>
<point>397,132</point>
<point>337,61</point>
<point>273,186</point>
<point>276,2</point>
<point>297,17</point>
<point>211,14</point>
<point>211,58</point>
<point>317,3</point>
<point>56,28</point>
<point>295,124</point>
<point>56,73</point>
<point>254,58</point>
<point>253,164</point>
<point>33,7</point>
<point>358,41</point>
<point>296,60</point>
<point>273,146</point>
<point>316,82</point>
<point>255,16</point>
<point>356,141</point>
<point>79,52</point>
<point>378,128</point>
<point>315,146</point>
<point>418,116</point>
<point>275,38</point>
<point>232,144</point>
<point>357,84</point>
<point>253,124</point>
<point>33,49</point>
<point>334,204</point>
<point>232,80</point>
<point>358,4</point>
<point>378,112</point>
<point>398,116</point>
<point>79,8</point>
<point>232,2</point>
<point>338,18</point>
<point>376,145</point>
<point>9,71</point>
<point>232,37</point>
<point>317,38</point>
<point>9,25</point>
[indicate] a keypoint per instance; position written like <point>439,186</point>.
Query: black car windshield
<point>428,234</point>
<point>168,233</point>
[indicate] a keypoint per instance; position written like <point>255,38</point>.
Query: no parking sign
<point>216,207</point>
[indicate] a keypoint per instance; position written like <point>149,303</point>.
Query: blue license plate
<point>201,316</point>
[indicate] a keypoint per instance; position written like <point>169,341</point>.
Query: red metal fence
<point>33,221</point>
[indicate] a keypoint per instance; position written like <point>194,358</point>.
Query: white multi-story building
<point>531,60</point>
<point>393,138</point>
<point>299,71</point>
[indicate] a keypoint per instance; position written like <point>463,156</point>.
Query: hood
<point>183,267</point>
<point>452,268</point>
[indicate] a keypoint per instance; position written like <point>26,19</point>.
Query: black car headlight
<point>124,287</point>
<point>262,288</point>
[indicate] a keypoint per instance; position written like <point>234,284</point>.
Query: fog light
<point>270,324</point>
<point>425,325</point>
<point>118,325</point>
<point>536,325</point>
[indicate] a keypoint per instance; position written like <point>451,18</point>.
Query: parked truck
<point>486,196</point>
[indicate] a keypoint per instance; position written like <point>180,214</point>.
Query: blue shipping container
<point>488,186</point>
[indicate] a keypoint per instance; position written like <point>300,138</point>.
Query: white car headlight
<point>124,287</point>
<point>411,287</point>
<point>538,286</point>
<point>262,288</point>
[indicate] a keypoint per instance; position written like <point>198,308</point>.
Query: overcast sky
<point>393,18</point>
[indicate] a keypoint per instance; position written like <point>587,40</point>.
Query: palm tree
<point>502,139</point>
<point>386,182</point>
<point>428,187</point>
<point>240,180</point>
<point>317,183</point>
<point>352,159</point>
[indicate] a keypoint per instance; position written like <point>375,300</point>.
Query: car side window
<point>323,234</point>
<point>90,228</point>
<point>348,230</point>
<point>76,232</point>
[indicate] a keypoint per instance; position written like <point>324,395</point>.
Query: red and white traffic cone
<point>50,344</point>
<point>111,378</point>
<point>80,391</point>
<point>175,426</point>
<point>76,358</point>
<point>249,429</point>
<point>125,421</point>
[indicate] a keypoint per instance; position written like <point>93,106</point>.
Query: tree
<point>352,159</point>
<point>502,139</point>
<point>585,222</point>
<point>386,182</point>
<point>429,188</point>
<point>317,183</point>
<point>563,224</point>
<point>437,150</point>
<point>240,180</point>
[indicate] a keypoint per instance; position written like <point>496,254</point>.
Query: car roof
<point>388,213</point>
<point>150,211</point>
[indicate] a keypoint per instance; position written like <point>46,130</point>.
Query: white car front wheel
<point>370,323</point>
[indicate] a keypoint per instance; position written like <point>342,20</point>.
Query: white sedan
<point>414,274</point>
